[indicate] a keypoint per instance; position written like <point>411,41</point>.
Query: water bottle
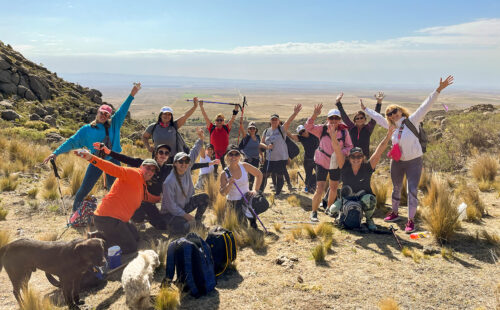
<point>419,235</point>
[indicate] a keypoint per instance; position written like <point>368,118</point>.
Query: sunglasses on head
<point>359,118</point>
<point>219,120</point>
<point>161,152</point>
<point>356,156</point>
<point>184,161</point>
<point>392,112</point>
<point>233,154</point>
<point>333,117</point>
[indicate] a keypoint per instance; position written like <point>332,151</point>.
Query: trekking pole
<point>393,230</point>
<point>241,117</point>
<point>217,102</point>
<point>53,162</point>
<point>249,206</point>
<point>300,175</point>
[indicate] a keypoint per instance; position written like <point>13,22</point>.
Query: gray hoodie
<point>173,200</point>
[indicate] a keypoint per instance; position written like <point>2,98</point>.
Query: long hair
<point>171,119</point>
<point>178,178</point>
<point>106,124</point>
<point>391,107</point>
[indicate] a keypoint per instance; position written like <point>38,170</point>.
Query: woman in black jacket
<point>359,130</point>
<point>148,209</point>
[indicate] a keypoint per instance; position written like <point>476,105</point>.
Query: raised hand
<point>135,89</point>
<point>200,103</point>
<point>214,162</point>
<point>195,102</point>
<point>101,146</point>
<point>361,104</point>
<point>390,131</point>
<point>380,96</point>
<point>443,84</point>
<point>200,133</point>
<point>317,109</point>
<point>83,154</point>
<point>339,97</point>
<point>297,108</point>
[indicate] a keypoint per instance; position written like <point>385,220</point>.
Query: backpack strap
<point>410,126</point>
<point>324,132</point>
<point>281,132</point>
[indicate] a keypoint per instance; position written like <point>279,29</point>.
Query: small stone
<point>429,249</point>
<point>299,279</point>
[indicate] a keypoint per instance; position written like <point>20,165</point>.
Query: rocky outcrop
<point>10,115</point>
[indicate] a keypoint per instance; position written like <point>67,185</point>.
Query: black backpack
<point>351,212</point>
<point>223,247</point>
<point>192,258</point>
<point>180,144</point>
<point>421,134</point>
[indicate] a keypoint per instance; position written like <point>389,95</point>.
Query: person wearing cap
<point>113,214</point>
<point>164,130</point>
<point>356,175</point>
<point>310,144</point>
<point>250,147</point>
<point>106,129</point>
<point>207,156</point>
<point>179,199</point>
<point>408,146</point>
<point>359,130</point>
<point>323,154</point>
<point>148,210</point>
<point>236,177</point>
<point>219,132</point>
<point>273,141</point>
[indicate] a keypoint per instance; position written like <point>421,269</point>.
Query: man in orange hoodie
<point>112,216</point>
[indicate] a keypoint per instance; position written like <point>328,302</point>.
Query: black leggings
<point>277,170</point>
<point>117,232</point>
<point>148,211</point>
<point>254,162</point>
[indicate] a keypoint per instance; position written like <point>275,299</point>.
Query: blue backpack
<point>192,258</point>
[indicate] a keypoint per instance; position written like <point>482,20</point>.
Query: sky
<point>391,42</point>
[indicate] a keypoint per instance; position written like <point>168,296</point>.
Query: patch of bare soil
<point>360,269</point>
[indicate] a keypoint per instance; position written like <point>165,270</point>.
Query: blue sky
<point>358,41</point>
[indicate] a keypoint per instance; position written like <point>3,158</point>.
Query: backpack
<point>223,247</point>
<point>351,213</point>
<point>92,278</point>
<point>84,214</point>
<point>421,134</point>
<point>180,144</point>
<point>192,258</point>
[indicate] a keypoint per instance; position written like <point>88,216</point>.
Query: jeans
<point>89,180</point>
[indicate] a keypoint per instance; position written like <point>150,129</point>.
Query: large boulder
<point>5,76</point>
<point>53,137</point>
<point>6,104</point>
<point>4,64</point>
<point>14,77</point>
<point>35,117</point>
<point>10,115</point>
<point>51,120</point>
<point>40,111</point>
<point>29,95</point>
<point>38,87</point>
<point>8,88</point>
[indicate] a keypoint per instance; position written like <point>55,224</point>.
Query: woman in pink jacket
<point>323,154</point>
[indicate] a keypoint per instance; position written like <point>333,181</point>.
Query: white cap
<point>166,109</point>
<point>300,128</point>
<point>334,112</point>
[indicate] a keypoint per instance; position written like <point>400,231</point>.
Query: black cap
<point>274,116</point>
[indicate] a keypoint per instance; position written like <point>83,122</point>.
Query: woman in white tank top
<point>238,176</point>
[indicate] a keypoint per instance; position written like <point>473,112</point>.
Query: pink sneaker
<point>391,217</point>
<point>410,227</point>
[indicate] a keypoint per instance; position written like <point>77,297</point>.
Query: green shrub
<point>38,125</point>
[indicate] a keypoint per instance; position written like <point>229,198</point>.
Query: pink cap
<point>106,108</point>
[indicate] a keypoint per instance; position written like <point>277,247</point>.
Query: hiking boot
<point>410,227</point>
<point>371,224</point>
<point>392,217</point>
<point>314,216</point>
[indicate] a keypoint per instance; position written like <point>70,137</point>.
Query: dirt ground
<point>360,269</point>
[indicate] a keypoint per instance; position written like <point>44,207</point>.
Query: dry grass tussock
<point>161,248</point>
<point>485,168</point>
<point>318,253</point>
<point>76,180</point>
<point>31,299</point>
<point>309,231</point>
<point>381,190</point>
<point>277,227</point>
<point>388,303</point>
<point>294,177</point>
<point>413,253</point>
<point>491,239</point>
<point>3,213</point>
<point>212,188</point>
<point>425,180</point>
<point>49,236</point>
<point>5,238</point>
<point>441,213</point>
<point>50,190</point>
<point>9,183</point>
<point>325,230</point>
<point>293,201</point>
<point>475,206</point>
<point>169,298</point>
<point>219,208</point>
<point>244,235</point>
<point>33,192</point>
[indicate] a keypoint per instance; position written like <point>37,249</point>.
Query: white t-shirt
<point>208,169</point>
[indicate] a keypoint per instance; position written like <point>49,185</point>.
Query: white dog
<point>137,277</point>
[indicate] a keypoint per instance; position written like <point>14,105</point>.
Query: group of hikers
<point>337,150</point>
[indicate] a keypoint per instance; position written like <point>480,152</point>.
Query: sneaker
<point>410,227</point>
<point>391,217</point>
<point>314,216</point>
<point>291,189</point>
<point>306,190</point>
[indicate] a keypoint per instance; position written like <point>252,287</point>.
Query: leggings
<point>254,162</point>
<point>412,169</point>
<point>178,224</point>
<point>117,232</point>
<point>148,211</point>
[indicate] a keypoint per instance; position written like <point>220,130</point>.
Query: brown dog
<point>67,260</point>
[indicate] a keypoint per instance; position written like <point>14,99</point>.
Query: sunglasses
<point>219,120</point>
<point>233,154</point>
<point>356,156</point>
<point>151,168</point>
<point>105,113</point>
<point>359,118</point>
<point>392,112</point>
<point>301,132</point>
<point>184,161</point>
<point>333,117</point>
<point>160,152</point>
<point>252,128</point>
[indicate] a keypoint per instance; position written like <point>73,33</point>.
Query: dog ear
<point>88,248</point>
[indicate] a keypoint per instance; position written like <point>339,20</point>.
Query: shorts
<point>322,172</point>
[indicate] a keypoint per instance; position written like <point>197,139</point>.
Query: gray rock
<point>21,91</point>
<point>135,136</point>
<point>51,120</point>
<point>4,64</point>
<point>94,93</point>
<point>35,117</point>
<point>53,137</point>
<point>38,88</point>
<point>29,95</point>
<point>6,104</point>
<point>10,115</point>
<point>14,77</point>
<point>8,88</point>
<point>1,97</point>
<point>40,111</point>
<point>444,122</point>
<point>439,118</point>
<point>5,76</point>
<point>429,250</point>
<point>50,110</point>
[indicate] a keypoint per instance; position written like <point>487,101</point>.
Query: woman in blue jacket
<point>106,129</point>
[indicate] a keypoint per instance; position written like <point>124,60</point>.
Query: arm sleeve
<point>313,129</point>
<point>168,203</point>
<point>348,143</point>
<point>149,129</point>
<point>193,154</point>
<point>345,118</point>
<point>199,165</point>
<point>119,116</point>
<point>130,161</point>
<point>110,168</point>
<point>377,117</point>
<point>371,124</point>
<point>425,107</point>
<point>73,142</point>
<point>209,127</point>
